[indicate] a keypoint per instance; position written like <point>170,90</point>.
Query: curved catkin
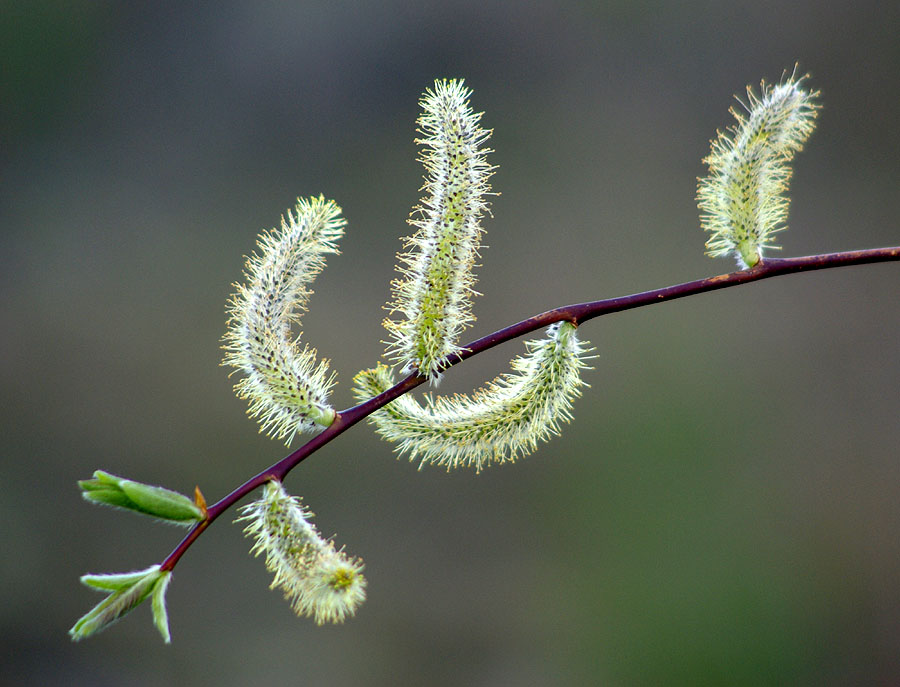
<point>742,201</point>
<point>320,581</point>
<point>286,386</point>
<point>434,292</point>
<point>504,420</point>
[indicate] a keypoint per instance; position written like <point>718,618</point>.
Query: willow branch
<point>577,313</point>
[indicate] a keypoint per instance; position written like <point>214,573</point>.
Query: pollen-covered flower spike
<point>286,386</point>
<point>320,581</point>
<point>434,292</point>
<point>742,201</point>
<point>498,423</point>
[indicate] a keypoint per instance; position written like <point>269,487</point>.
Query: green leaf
<point>158,603</point>
<point>106,478</point>
<point>113,582</point>
<point>108,497</point>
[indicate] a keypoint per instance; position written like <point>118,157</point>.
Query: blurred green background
<point>723,511</point>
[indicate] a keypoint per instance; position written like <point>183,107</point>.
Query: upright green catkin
<point>433,294</point>
<point>742,200</point>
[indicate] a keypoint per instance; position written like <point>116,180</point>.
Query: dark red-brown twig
<point>578,313</point>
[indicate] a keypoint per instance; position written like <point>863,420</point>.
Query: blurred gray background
<point>724,509</point>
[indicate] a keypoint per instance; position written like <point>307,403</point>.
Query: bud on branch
<point>169,506</point>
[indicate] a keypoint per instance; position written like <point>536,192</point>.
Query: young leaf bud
<point>500,422</point>
<point>286,386</point>
<point>165,504</point>
<point>128,591</point>
<point>434,292</point>
<point>742,201</point>
<point>320,582</point>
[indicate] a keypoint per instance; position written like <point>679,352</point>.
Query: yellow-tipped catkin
<point>742,201</point>
<point>320,581</point>
<point>286,386</point>
<point>504,420</point>
<point>434,292</point>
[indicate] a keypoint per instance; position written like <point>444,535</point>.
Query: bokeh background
<point>723,511</point>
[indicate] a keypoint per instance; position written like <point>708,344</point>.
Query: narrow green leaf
<point>105,496</point>
<point>106,478</point>
<point>92,484</point>
<point>158,603</point>
<point>112,582</point>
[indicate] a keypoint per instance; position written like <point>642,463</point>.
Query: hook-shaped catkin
<point>498,423</point>
<point>433,294</point>
<point>286,386</point>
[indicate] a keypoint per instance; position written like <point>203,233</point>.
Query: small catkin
<point>433,294</point>
<point>320,581</point>
<point>286,386</point>
<point>743,201</point>
<point>498,423</point>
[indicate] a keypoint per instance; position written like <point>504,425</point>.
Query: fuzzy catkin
<point>500,422</point>
<point>320,581</point>
<point>433,294</point>
<point>743,200</point>
<point>286,386</point>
